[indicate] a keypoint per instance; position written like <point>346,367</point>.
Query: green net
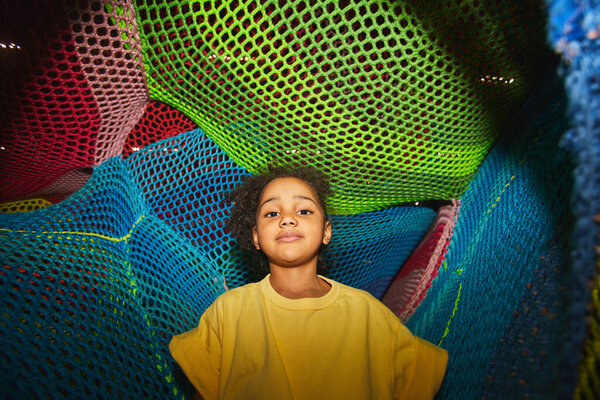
<point>399,101</point>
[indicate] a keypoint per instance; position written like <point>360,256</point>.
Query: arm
<point>198,353</point>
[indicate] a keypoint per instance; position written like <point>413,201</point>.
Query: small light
<point>2,148</point>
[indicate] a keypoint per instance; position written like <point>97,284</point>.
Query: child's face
<point>290,223</point>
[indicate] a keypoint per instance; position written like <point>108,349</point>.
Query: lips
<point>288,237</point>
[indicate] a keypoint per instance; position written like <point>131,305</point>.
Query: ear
<point>255,238</point>
<point>327,233</point>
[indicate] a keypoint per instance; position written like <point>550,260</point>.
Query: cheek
<point>262,228</point>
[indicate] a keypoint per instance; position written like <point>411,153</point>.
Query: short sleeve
<point>429,368</point>
<point>198,353</point>
<point>419,367</point>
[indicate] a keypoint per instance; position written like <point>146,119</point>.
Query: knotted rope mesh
<point>397,101</point>
<point>124,123</point>
<point>501,298</point>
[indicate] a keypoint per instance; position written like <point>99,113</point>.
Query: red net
<point>111,57</point>
<point>160,121</point>
<point>73,89</point>
<point>410,285</point>
<point>49,117</point>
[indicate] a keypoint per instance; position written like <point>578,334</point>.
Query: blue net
<point>499,304</point>
<point>367,248</point>
<point>103,280</point>
<point>72,324</point>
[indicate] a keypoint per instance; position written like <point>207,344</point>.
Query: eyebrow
<point>277,198</point>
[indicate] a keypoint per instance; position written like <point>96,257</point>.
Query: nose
<point>288,220</point>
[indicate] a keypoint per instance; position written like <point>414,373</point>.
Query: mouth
<point>288,237</point>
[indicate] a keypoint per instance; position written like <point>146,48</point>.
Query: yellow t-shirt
<point>253,343</point>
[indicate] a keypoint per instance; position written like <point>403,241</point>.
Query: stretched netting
<point>398,101</point>
<point>123,123</point>
<point>24,205</point>
<point>95,287</point>
<point>410,285</point>
<point>500,303</point>
<point>74,89</point>
<point>159,121</point>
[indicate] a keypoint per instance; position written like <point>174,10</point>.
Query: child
<point>296,334</point>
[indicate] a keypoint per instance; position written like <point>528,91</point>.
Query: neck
<point>297,283</point>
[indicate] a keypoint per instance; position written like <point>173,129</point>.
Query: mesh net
<point>499,302</point>
<point>170,103</point>
<point>397,101</point>
<point>74,88</point>
<point>159,121</point>
<point>109,275</point>
<point>24,205</point>
<point>105,36</point>
<point>410,285</point>
<point>46,105</point>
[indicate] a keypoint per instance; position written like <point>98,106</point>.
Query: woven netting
<point>72,90</point>
<point>159,121</point>
<point>398,101</point>
<point>93,288</point>
<point>172,102</point>
<point>500,303</point>
<point>24,205</point>
<point>410,285</point>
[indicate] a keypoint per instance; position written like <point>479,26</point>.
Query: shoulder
<point>232,301</point>
<point>231,304</point>
<point>361,298</point>
<point>237,294</point>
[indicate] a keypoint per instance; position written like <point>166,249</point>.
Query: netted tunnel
<point>462,139</point>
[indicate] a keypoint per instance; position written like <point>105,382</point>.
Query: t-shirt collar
<point>308,303</point>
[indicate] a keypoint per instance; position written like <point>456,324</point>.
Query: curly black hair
<point>245,200</point>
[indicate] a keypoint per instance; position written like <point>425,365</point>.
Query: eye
<point>271,214</point>
<point>304,212</point>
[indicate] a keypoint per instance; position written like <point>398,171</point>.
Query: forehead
<point>288,186</point>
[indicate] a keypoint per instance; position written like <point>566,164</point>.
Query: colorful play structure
<point>462,138</point>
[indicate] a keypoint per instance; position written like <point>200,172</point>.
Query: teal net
<point>499,304</point>
<point>135,257</point>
